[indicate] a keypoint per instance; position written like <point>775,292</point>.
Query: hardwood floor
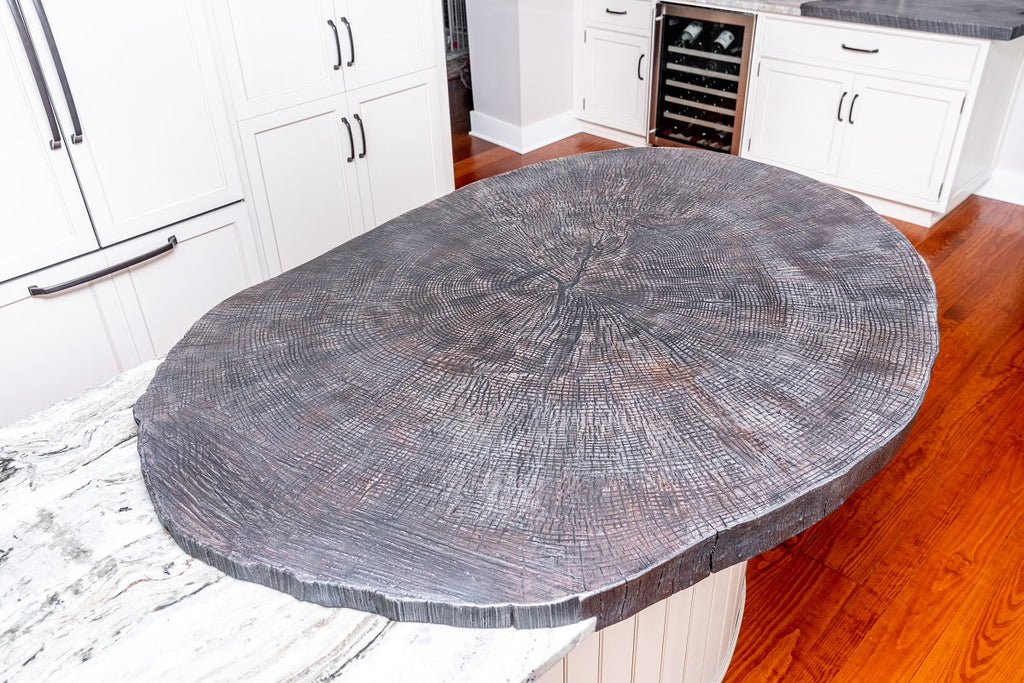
<point>919,576</point>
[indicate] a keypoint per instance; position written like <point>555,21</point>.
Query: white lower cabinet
<point>883,135</point>
<point>615,91</point>
<point>59,344</point>
<point>612,53</point>
<point>899,137</point>
<point>911,122</point>
<point>805,138</point>
<point>325,171</point>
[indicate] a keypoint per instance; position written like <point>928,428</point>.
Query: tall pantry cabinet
<point>117,150</point>
<point>341,115</point>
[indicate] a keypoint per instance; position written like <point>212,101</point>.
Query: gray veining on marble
<point>93,588</point>
<point>991,19</point>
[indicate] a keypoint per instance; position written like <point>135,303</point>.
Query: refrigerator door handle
<point>76,137</point>
<point>172,242</point>
<point>37,72</point>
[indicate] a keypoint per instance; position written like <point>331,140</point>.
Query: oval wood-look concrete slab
<point>563,392</point>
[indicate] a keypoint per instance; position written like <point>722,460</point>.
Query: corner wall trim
<point>523,139</point>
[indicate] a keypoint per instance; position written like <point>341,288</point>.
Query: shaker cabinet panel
<point>388,39</point>
<point>615,71</point>
<point>278,52</point>
<point>796,113</point>
<point>42,214</point>
<point>155,146</point>
<point>400,158</point>
<point>214,258</point>
<point>909,127</point>
<point>302,162</point>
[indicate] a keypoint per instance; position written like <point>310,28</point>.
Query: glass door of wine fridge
<point>701,62</point>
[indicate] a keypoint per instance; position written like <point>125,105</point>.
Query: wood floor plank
<point>793,603</point>
<point>975,365</point>
<point>920,611</point>
<point>936,537</point>
<point>984,639</point>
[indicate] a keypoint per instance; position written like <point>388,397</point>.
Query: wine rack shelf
<point>701,69</point>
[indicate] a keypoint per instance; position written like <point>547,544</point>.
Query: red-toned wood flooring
<point>919,576</point>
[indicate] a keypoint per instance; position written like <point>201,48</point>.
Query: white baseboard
<point>1006,186</point>
<point>526,138</point>
<point>600,131</point>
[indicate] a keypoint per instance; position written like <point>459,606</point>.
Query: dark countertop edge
<point>945,27</point>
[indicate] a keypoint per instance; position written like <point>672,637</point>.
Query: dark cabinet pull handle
<point>849,115</point>
<point>37,72</point>
<point>172,242</point>
<point>62,76</point>
<point>640,61</point>
<point>860,49</point>
<point>362,134</point>
<point>351,142</point>
<point>839,109</point>
<point>619,12</point>
<point>351,43</point>
<point>337,42</point>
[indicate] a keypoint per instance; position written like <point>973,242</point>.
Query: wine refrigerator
<point>701,60</point>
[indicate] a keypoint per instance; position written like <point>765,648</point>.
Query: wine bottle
<point>722,42</point>
<point>690,34</point>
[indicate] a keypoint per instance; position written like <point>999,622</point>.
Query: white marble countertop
<point>791,7</point>
<point>93,588</point>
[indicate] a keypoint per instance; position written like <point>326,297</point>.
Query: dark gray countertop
<point>991,19</point>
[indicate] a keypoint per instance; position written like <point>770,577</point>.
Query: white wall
<point>521,58</point>
<point>1007,181</point>
<point>546,57</point>
<point>494,57</point>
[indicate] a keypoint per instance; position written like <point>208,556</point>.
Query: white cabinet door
<point>404,160</point>
<point>388,39</point>
<point>280,52</point>
<point>55,346</point>
<point>215,257</point>
<point>615,87</point>
<point>42,217</point>
<point>899,136</point>
<point>798,114</point>
<point>156,145</point>
<point>301,164</point>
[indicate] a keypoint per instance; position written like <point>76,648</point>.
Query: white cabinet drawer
<point>56,346</point>
<point>215,257</point>
<point>632,15</point>
<point>888,50</point>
